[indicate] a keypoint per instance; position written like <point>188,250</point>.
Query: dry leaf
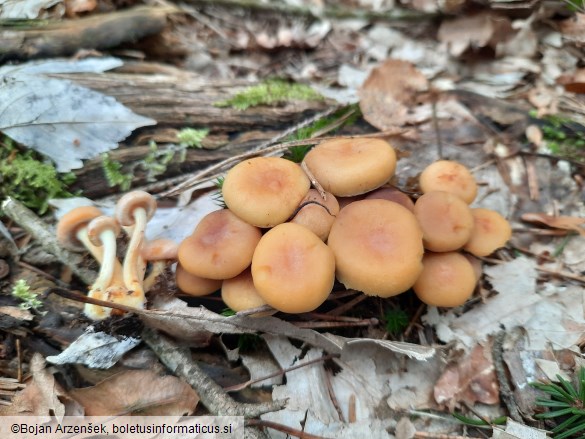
<point>573,82</point>
<point>557,222</point>
<point>471,380</point>
<point>43,396</point>
<point>389,91</point>
<point>473,32</point>
<point>140,392</point>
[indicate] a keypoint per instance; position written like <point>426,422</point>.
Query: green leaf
<point>555,413</point>
<point>568,387</point>
<point>571,431</point>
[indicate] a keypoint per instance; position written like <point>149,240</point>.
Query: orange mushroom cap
<point>449,176</point>
<point>391,194</point>
<point>445,219</point>
<point>194,285</point>
<point>317,214</point>
<point>293,270</point>
<point>221,246</point>
<point>378,247</point>
<point>72,222</point>
<point>447,279</point>
<point>264,191</point>
<point>240,294</point>
<point>347,167</point>
<point>490,232</point>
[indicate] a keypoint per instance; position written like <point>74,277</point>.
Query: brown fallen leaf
<point>557,222</point>
<point>138,392</point>
<point>474,32</point>
<point>573,82</point>
<point>388,93</point>
<point>473,379</point>
<point>43,396</point>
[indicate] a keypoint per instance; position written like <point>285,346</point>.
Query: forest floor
<point>100,97</point>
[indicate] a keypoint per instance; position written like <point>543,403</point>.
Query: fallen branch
<point>46,238</point>
<point>66,37</point>
<point>212,396</point>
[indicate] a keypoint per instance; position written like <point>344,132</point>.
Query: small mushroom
<point>221,246</point>
<point>317,214</point>
<point>391,194</point>
<point>240,294</point>
<point>354,166</point>
<point>449,176</point>
<point>194,285</point>
<point>160,252</point>
<point>72,230</point>
<point>264,191</point>
<point>378,247</point>
<point>490,232</point>
<point>293,270</point>
<point>134,210</point>
<point>102,232</point>
<point>447,279</point>
<point>445,220</point>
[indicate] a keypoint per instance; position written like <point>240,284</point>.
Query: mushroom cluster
<point>86,228</point>
<point>280,243</point>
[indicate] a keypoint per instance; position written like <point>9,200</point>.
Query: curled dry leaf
<point>557,222</point>
<point>471,380</point>
<point>138,391</point>
<point>389,91</point>
<point>474,32</point>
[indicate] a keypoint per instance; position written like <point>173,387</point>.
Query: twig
<point>414,319</point>
<point>188,183</point>
<point>214,171</point>
<point>212,396</point>
<point>347,306</point>
<point>505,391</point>
<point>313,180</point>
<point>313,325</point>
<point>45,237</point>
<point>19,358</point>
<point>333,398</point>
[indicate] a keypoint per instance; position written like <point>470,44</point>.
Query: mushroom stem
<point>108,262</point>
<point>313,180</point>
<point>133,260</point>
<point>96,251</point>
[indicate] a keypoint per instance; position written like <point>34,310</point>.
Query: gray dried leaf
<point>95,349</point>
<point>86,65</point>
<point>24,9</point>
<point>62,120</point>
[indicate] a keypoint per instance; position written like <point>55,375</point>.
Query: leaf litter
<point>550,312</point>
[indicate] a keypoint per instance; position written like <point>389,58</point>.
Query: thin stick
<point>186,184</point>
<point>347,306</point>
<point>506,393</point>
<point>311,325</point>
<point>19,357</point>
<point>313,180</point>
<point>333,398</point>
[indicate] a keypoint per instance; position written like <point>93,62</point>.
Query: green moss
<point>396,321</point>
<point>114,175</point>
<point>564,137</point>
<point>271,92</point>
<point>31,181</point>
<point>29,299</point>
<point>191,137</point>
<point>297,153</point>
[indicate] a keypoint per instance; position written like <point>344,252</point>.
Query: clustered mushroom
<point>87,228</point>
<point>282,244</point>
<point>285,244</point>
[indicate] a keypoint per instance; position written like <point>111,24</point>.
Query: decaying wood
<point>180,99</point>
<point>99,31</point>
